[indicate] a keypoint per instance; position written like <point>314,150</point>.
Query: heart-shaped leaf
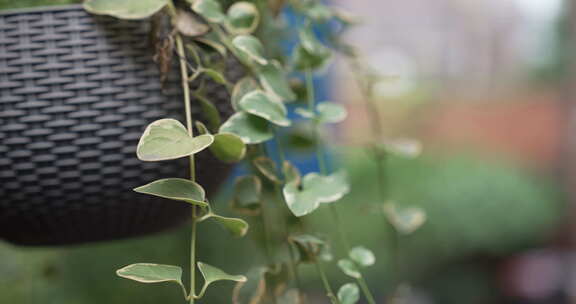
<point>247,195</point>
<point>241,88</point>
<point>267,167</point>
<point>405,220</point>
<point>152,273</point>
<point>167,139</point>
<point>349,268</point>
<point>259,104</point>
<point>273,79</point>
<point>237,227</point>
<point>211,10</point>
<point>253,290</point>
<point>176,189</point>
<point>330,112</point>
<point>250,47</point>
<point>349,294</point>
<point>228,147</point>
<point>309,247</point>
<point>212,274</point>
<point>190,25</point>
<point>252,129</point>
<point>305,113</point>
<point>362,256</point>
<point>315,190</point>
<point>304,60</point>
<point>126,9</point>
<point>243,18</point>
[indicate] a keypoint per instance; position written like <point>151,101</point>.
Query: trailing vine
<point>205,36</point>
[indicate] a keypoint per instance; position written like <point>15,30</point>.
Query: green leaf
<point>267,167</point>
<point>405,220</point>
<point>167,139</point>
<point>212,43</point>
<point>305,113</point>
<point>215,75</point>
<point>211,10</point>
<point>209,111</point>
<point>247,195</point>
<point>291,173</point>
<point>176,189</point>
<point>259,104</point>
<point>250,47</point>
<point>330,112</point>
<point>237,227</point>
<point>152,273</point>
<point>304,60</point>
<point>318,11</point>
<point>315,190</point>
<point>274,80</point>
<point>212,274</point>
<point>228,147</point>
<point>362,256</point>
<point>202,129</point>
<point>126,9</point>
<point>252,129</point>
<point>190,25</point>
<point>241,88</point>
<point>253,290</point>
<point>309,247</point>
<point>349,268</point>
<point>349,294</point>
<point>243,18</point>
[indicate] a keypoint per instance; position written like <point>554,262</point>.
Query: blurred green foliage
<point>475,207</point>
<point>14,4</point>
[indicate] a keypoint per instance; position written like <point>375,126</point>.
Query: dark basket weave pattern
<point>76,92</point>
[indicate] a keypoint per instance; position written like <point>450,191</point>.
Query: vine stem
<point>329,292</point>
<point>189,127</point>
<point>324,171</point>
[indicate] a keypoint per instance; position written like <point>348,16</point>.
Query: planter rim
<point>39,9</point>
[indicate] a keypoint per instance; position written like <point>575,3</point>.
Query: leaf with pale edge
<point>152,273</point>
<point>273,79</point>
<point>243,18</point>
<point>126,9</point>
<point>190,25</point>
<point>309,247</point>
<point>237,227</point>
<point>250,47</point>
<point>241,88</point>
<point>209,9</point>
<point>405,220</point>
<point>212,274</point>
<point>167,139</point>
<point>176,189</point>
<point>252,129</point>
<point>349,294</point>
<point>330,112</point>
<point>260,104</point>
<point>267,167</point>
<point>315,190</point>
<point>362,256</point>
<point>349,268</point>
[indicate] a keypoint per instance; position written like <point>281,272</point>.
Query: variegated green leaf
<point>176,189</point>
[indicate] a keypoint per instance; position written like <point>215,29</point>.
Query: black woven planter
<point>76,92</point>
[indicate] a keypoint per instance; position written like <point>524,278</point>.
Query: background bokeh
<point>486,86</point>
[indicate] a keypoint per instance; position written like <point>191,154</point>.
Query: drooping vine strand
<point>189,126</point>
<point>324,171</point>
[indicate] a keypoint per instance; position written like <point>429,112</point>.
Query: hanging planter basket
<point>76,92</point>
